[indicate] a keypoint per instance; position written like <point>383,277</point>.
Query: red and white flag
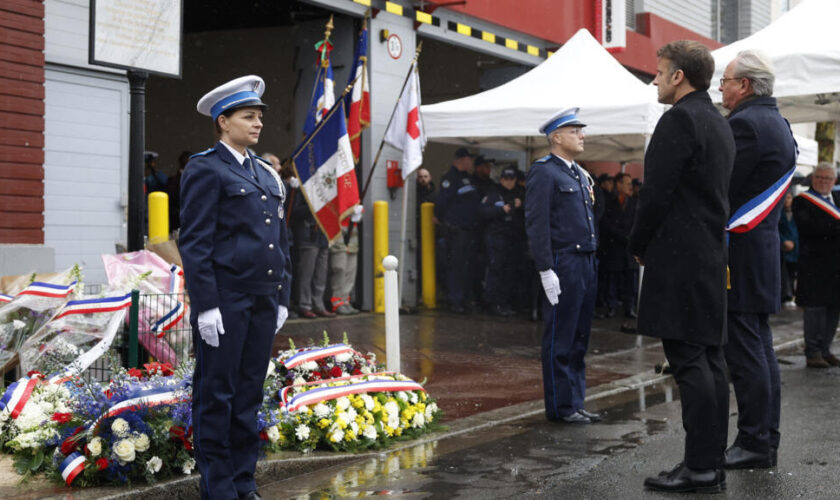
<point>406,131</point>
<point>358,102</point>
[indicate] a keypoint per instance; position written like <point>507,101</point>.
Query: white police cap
<point>241,92</point>
<point>566,118</point>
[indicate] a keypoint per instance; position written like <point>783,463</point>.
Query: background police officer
<point>236,262</point>
<point>457,210</point>
<point>560,223</point>
<point>503,211</point>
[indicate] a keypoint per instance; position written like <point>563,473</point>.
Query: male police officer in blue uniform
<point>236,261</point>
<point>560,223</point>
<point>457,209</point>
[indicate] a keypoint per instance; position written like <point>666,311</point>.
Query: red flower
<point>336,372</point>
<point>357,371</point>
<point>108,393</point>
<point>263,436</point>
<point>62,418</point>
<point>101,464</point>
<point>316,376</point>
<point>71,443</point>
<point>164,369</point>
<point>32,373</point>
<point>135,372</point>
<point>179,434</point>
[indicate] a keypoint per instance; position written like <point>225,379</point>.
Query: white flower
<point>393,421</point>
<point>366,370</point>
<point>154,464</point>
<point>321,410</point>
<point>337,435</point>
<point>431,408</point>
<point>270,370</point>
<point>18,324</point>
<point>141,442</point>
<point>413,398</point>
<point>343,357</point>
<point>95,446</point>
<point>342,403</point>
<point>402,395</point>
<point>369,432</point>
<point>309,366</point>
<point>351,414</point>
<point>299,380</point>
<point>120,428</point>
<point>354,427</point>
<point>392,408</point>
<point>419,420</point>
<point>273,434</point>
<point>368,402</point>
<point>124,450</point>
<point>341,418</point>
<point>302,432</point>
<point>189,465</point>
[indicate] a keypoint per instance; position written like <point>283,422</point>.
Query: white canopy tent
<point>618,108</point>
<point>804,46</point>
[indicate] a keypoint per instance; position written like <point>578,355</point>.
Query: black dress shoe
<point>594,417</point>
<point>684,480</point>
<point>251,495</point>
<point>576,418</point>
<point>739,458</point>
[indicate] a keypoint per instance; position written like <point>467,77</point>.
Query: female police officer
<point>236,261</point>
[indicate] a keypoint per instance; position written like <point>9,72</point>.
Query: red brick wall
<point>21,121</point>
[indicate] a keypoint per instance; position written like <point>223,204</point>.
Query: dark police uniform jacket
<point>498,223</point>
<point>680,223</point>
<point>233,232</point>
<point>764,152</point>
<point>818,280</point>
<point>615,228</point>
<point>559,214</point>
<point>458,200</point>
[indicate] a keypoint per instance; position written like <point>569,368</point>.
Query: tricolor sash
<point>751,213</point>
<point>48,289</point>
<point>322,394</point>
<point>316,354</point>
<point>821,203</point>
<point>17,395</point>
<point>72,466</point>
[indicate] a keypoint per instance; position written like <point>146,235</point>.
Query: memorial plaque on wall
<point>141,35</point>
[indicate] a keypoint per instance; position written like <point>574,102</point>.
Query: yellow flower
<point>356,401</point>
<point>360,419</point>
<point>349,436</point>
<point>422,395</point>
<point>389,430</point>
<point>421,407</point>
<point>398,431</point>
<point>323,423</point>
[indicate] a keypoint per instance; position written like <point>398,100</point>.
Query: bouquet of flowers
<point>332,397</point>
<point>30,310</point>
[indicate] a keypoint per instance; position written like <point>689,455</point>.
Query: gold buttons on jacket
<point>271,246</point>
<point>263,197</point>
<point>270,272</point>
<point>268,221</point>
<point>242,190</point>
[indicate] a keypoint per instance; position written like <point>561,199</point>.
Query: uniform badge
<point>280,211</point>
<point>591,193</point>
<point>445,183</point>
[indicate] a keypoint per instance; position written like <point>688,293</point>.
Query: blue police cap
<point>239,93</point>
<point>565,118</point>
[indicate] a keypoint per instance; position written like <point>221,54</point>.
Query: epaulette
<point>263,160</point>
<point>543,159</point>
<point>203,153</point>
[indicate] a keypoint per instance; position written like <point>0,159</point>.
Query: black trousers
<point>700,372</point>
<point>820,326</point>
<point>754,372</point>
<point>459,272</point>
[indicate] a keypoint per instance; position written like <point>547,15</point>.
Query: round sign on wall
<point>394,46</point>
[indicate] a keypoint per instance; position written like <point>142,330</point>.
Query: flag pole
<point>403,239</point>
<point>391,119</point>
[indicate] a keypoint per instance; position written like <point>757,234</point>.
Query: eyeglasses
<point>724,80</point>
<point>573,130</point>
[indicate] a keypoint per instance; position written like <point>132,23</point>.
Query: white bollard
<point>392,313</point>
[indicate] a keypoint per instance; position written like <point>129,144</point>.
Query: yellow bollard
<point>158,217</point>
<point>380,251</point>
<point>427,255</point>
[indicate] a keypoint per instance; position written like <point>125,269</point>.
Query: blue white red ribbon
<point>169,320</point>
<point>99,305</point>
<point>822,204</point>
<point>176,279</point>
<point>72,466</point>
<point>145,398</point>
<point>17,395</point>
<point>5,298</point>
<point>750,214</point>
<point>48,289</point>
<point>322,394</point>
<point>316,354</point>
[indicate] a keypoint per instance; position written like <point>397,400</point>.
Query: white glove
<point>358,210</point>
<point>210,326</point>
<point>551,285</point>
<point>282,316</point>
<point>294,182</point>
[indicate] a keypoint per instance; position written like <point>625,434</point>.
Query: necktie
<point>249,167</point>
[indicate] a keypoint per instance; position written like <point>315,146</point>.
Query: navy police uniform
<point>457,208</point>
<point>235,252</point>
<point>502,234</point>
<point>559,221</point>
<point>765,152</point>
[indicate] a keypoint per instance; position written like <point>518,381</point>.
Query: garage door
<point>86,151</point>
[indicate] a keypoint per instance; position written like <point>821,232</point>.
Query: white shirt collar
<point>240,158</point>
<point>565,161</point>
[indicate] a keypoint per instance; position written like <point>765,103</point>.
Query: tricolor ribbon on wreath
<point>17,395</point>
<point>322,394</point>
<point>316,354</point>
<point>72,466</point>
<point>5,298</point>
<point>171,318</point>
<point>821,203</point>
<point>149,397</point>
<point>40,289</point>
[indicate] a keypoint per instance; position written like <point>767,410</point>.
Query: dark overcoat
<point>615,228</point>
<point>818,283</point>
<point>764,153</point>
<point>680,221</point>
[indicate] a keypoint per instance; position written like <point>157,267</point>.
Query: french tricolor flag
<point>358,101</point>
<point>324,165</point>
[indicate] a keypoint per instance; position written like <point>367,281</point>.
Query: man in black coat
<point>616,260</point>
<point>678,235</point>
<point>765,159</point>
<point>818,286</point>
